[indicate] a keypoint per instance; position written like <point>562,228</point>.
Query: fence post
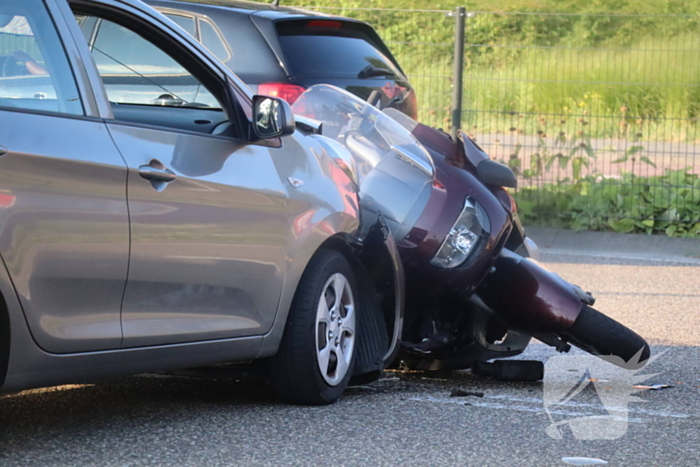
<point>457,70</point>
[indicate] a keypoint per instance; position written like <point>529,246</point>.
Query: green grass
<point>556,6</point>
<point>653,88</point>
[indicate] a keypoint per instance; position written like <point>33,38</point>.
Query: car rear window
<point>324,48</point>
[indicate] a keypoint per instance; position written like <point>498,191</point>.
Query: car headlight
<point>467,236</point>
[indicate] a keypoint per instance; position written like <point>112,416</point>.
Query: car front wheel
<point>316,355</point>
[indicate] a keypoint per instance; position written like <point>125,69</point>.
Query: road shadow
<point>110,422</point>
<point>83,410</point>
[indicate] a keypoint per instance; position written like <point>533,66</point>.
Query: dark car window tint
<point>185,22</point>
<point>34,70</point>
<point>212,41</point>
<point>327,55</point>
<point>135,71</point>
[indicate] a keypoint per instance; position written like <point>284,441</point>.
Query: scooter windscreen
<point>394,171</point>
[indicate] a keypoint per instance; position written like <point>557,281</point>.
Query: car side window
<point>34,70</point>
<point>135,71</point>
<point>211,39</point>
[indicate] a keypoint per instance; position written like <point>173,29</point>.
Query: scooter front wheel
<point>602,336</point>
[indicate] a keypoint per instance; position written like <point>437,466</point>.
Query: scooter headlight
<point>467,236</point>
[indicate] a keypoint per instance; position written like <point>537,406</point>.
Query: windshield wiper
<point>371,71</point>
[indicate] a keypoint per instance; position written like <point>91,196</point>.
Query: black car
<point>281,51</point>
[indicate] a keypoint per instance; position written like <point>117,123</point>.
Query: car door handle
<point>157,174</point>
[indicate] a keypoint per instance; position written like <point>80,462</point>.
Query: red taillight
<point>319,23</point>
<point>288,92</point>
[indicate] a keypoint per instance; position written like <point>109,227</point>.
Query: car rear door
<point>64,227</point>
<point>209,228</point>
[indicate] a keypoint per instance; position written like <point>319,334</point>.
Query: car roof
<point>242,7</point>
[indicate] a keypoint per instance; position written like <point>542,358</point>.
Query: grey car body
<point>139,238</point>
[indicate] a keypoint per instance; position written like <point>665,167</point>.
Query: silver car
<point>182,222</point>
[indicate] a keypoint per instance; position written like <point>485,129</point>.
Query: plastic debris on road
<point>463,393</point>
<point>653,387</point>
<point>390,379</point>
<point>583,461</point>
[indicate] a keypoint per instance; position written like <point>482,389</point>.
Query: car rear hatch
<point>342,52</point>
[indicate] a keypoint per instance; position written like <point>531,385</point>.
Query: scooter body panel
<point>446,202</point>
<point>529,297</point>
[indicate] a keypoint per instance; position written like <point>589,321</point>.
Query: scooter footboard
<point>528,296</point>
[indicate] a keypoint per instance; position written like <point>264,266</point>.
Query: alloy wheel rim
<point>335,329</point>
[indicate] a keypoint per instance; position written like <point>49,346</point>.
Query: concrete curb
<point>616,244</point>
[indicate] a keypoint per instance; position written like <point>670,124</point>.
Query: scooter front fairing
<point>393,171</point>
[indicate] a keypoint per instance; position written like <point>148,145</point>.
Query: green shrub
<point>668,204</point>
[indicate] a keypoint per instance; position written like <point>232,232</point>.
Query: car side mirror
<point>272,118</point>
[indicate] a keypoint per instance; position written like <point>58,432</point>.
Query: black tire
<point>602,336</point>
<point>295,370</point>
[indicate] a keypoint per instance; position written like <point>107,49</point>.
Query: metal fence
<point>598,114</point>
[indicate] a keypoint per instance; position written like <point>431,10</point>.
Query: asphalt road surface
<point>407,419</point>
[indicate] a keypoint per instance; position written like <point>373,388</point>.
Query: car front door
<point>64,227</point>
<point>208,223</point>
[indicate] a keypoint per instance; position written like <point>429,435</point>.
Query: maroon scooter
<point>475,290</point>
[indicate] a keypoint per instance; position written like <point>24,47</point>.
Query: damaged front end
<point>393,175</point>
<point>380,277</point>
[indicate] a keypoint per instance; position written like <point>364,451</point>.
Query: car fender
<point>379,270</point>
<point>322,204</point>
<point>333,226</point>
<point>333,223</point>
